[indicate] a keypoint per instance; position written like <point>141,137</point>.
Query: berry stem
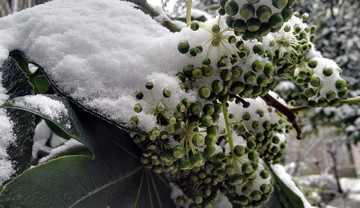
<point>228,125</point>
<point>188,12</point>
<point>299,108</point>
<point>350,101</point>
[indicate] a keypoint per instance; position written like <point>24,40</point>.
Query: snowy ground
<point>352,185</point>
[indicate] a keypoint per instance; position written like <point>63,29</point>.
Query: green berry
<point>198,140</point>
<point>217,86</point>
<point>139,95</point>
<point>262,80</point>
<point>253,24</point>
<point>264,174</point>
<point>230,169</point>
<point>247,168</point>
<point>210,139</point>
<point>239,25</point>
<point>204,92</point>
<point>251,144</point>
<point>207,71</point>
<point>178,152</point>
<point>340,84</point>
<point>258,49</point>
<point>312,63</point>
<point>327,71</point>
<point>249,77</point>
<point>237,87</point>
<point>194,26</point>
<point>209,151</point>
<point>253,155</point>
<point>236,71</point>
<point>183,47</point>
<point>180,200</point>
<point>279,3</point>
<point>263,13</point>
<point>231,8</point>
<point>215,29</point>
<point>197,73</point>
<point>197,159</point>
<point>315,81</point>
<point>166,92</point>
<point>286,13</point>
<point>160,107</point>
<point>239,150</point>
<point>276,21</point>
<point>149,85</point>
<point>330,95</point>
<point>207,120</point>
<point>247,11</point>
<point>225,75</point>
<point>134,121</point>
<point>137,108</point>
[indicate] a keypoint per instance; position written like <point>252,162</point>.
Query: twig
<point>270,101</point>
<point>245,104</point>
<point>166,22</point>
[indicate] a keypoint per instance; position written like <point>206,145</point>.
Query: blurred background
<point>325,164</point>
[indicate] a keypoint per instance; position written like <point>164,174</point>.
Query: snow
<point>70,144</point>
<point>52,109</point>
<point>280,171</point>
<point>7,137</point>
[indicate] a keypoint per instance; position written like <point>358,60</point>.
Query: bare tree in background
<point>10,6</point>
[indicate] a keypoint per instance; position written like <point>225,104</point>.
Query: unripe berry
<point>247,11</point>
<point>183,47</point>
<point>178,152</point>
<point>231,8</point>
<point>263,13</point>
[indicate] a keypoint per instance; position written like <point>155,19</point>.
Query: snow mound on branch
<point>98,52</point>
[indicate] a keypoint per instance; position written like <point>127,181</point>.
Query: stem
<point>166,22</point>
<point>270,101</point>
<point>350,101</point>
<point>228,129</point>
<point>299,108</point>
<point>245,104</point>
<point>188,12</point>
<point>214,6</point>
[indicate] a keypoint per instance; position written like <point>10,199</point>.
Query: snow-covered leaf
<point>57,111</point>
<point>290,195</point>
<point>115,177</point>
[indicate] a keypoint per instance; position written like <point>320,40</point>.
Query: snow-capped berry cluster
<point>220,141</point>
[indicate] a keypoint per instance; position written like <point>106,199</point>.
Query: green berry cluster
<point>294,60</point>
<point>254,18</point>
<point>262,127</point>
<point>190,148</point>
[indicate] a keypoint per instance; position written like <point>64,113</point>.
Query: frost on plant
<point>197,103</point>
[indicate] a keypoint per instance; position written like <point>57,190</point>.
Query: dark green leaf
<point>115,178</point>
<point>21,61</point>
<point>41,83</point>
<point>17,84</point>
<point>288,198</point>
